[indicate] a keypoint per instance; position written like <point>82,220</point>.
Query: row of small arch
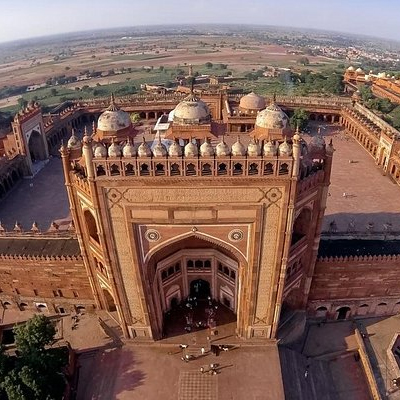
<point>190,169</point>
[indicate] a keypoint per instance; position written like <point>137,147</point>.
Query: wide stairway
<point>316,384</point>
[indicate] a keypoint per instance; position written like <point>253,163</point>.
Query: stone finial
<point>54,227</point>
<point>87,139</point>
<point>35,228</point>
<point>2,229</point>
<point>94,129</point>
<point>17,227</point>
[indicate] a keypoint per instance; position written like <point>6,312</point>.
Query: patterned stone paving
<point>193,385</point>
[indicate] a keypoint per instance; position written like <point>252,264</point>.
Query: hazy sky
<point>28,18</point>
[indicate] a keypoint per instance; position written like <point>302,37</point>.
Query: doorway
<point>200,289</point>
<point>342,313</point>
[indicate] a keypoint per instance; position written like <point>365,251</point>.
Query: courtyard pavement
<point>42,199</point>
<point>370,197</point>
<point>157,372</point>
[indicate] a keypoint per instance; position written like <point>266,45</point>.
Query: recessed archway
<point>194,281</point>
<point>36,147</point>
<point>200,289</point>
<point>342,313</point>
<point>109,301</point>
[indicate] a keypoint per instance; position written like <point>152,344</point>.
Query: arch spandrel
<point>233,238</point>
<point>232,250</point>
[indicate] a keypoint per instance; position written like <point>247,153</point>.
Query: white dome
<point>285,149</point>
<point>113,119</point>
<point>222,149</point>
<point>252,101</point>
<point>100,151</point>
<point>206,149</point>
<point>114,150</point>
<point>144,149</point>
<point>159,150</point>
<point>175,150</point>
<point>129,149</point>
<point>73,142</point>
<point>269,149</point>
<point>191,150</point>
<point>359,70</point>
<point>238,149</point>
<point>350,69</point>
<point>272,118</point>
<point>191,111</point>
<point>253,149</point>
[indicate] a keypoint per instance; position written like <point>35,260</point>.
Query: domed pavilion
<point>114,123</point>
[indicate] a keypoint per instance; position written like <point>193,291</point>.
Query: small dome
<point>175,150</point>
<point>114,150</point>
<point>272,118</point>
<point>73,142</point>
<point>359,70</point>
<point>252,101</point>
<point>269,149</point>
<point>129,149</point>
<point>285,149</point>
<point>206,149</point>
<point>100,151</point>
<point>191,150</point>
<point>191,111</point>
<point>238,149</point>
<point>222,149</point>
<point>350,69</point>
<point>253,149</point>
<point>144,149</point>
<point>113,119</point>
<point>159,150</point>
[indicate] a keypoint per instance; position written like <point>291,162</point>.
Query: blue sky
<point>29,18</point>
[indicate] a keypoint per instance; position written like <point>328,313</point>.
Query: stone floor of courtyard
<point>157,372</point>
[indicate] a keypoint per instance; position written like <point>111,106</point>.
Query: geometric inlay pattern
<point>193,385</point>
<point>236,235</point>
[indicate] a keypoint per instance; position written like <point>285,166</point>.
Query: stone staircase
<point>319,383</point>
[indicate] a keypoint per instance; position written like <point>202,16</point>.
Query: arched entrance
<point>36,147</point>
<point>109,301</point>
<point>200,289</point>
<point>194,285</point>
<point>342,313</point>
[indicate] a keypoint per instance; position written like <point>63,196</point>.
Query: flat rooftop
<point>357,247</point>
<point>39,246</point>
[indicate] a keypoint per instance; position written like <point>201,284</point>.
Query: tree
<point>22,102</point>
<point>53,91</point>
<point>303,61</point>
<point>35,373</point>
<point>299,118</point>
<point>334,84</point>
<point>366,93</point>
<point>135,117</point>
<point>208,65</point>
<point>396,117</point>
